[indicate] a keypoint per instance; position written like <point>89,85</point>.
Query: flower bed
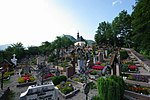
<point>66,89</point>
<point>7,75</point>
<point>94,72</point>
<point>26,78</point>
<point>48,76</point>
<point>140,78</point>
<point>138,89</point>
<point>97,67</point>
<point>132,68</point>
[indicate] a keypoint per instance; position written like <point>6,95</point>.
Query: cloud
<point>116,1</point>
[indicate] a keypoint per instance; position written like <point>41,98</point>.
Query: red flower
<point>26,78</point>
<point>98,63</point>
<point>132,67</point>
<point>98,67</point>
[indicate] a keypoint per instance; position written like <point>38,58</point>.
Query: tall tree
<point>46,48</point>
<point>104,33</point>
<point>121,28</point>
<point>17,49</point>
<point>141,25</point>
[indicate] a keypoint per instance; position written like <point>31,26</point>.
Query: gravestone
<point>41,60</point>
<point>100,56</point>
<point>94,59</point>
<point>106,53</point>
<point>14,60</point>
<point>81,65</point>
<point>70,71</point>
<point>26,68</point>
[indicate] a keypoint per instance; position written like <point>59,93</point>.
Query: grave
<point>14,60</point>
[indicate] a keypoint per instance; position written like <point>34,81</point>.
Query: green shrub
<point>94,72</point>
<point>67,83</point>
<point>66,89</point>
<point>103,64</point>
<point>63,78</point>
<point>124,67</point>
<point>31,79</point>
<point>93,85</point>
<point>58,79</point>
<point>21,80</point>
<point>123,54</point>
<point>111,88</point>
<point>9,73</point>
<point>76,79</point>
<point>96,97</point>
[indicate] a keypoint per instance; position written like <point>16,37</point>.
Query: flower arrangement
<point>48,75</point>
<point>132,67</point>
<point>138,89</point>
<point>26,78</point>
<point>65,87</point>
<point>138,78</point>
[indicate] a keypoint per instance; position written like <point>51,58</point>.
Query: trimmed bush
<point>58,79</point>
<point>21,80</point>
<point>66,89</point>
<point>31,79</point>
<point>123,54</point>
<point>124,67</point>
<point>94,72</point>
<point>96,97</point>
<point>111,88</point>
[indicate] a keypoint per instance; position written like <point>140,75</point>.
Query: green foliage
<point>58,79</point>
<point>141,25</point>
<point>66,89</point>
<point>124,67</point>
<point>52,58</point>
<point>104,33</point>
<point>7,74</point>
<point>31,79</point>
<point>121,28</point>
<point>94,72</point>
<point>111,88</point>
<point>76,79</point>
<point>102,88</point>
<point>123,54</point>
<point>93,85</point>
<point>121,84</point>
<point>21,80</point>
<point>96,97</point>
<point>103,64</point>
<point>64,64</point>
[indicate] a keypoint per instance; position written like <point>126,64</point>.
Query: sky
<point>32,22</point>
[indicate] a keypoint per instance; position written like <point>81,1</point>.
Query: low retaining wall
<point>137,96</point>
<point>81,84</point>
<point>26,84</point>
<point>69,95</point>
<point>146,66</point>
<point>143,62</point>
<point>137,82</point>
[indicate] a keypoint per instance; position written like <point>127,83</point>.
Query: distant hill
<point>3,47</point>
<point>70,37</point>
<point>90,42</point>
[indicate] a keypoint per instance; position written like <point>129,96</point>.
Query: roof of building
<point>80,39</point>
